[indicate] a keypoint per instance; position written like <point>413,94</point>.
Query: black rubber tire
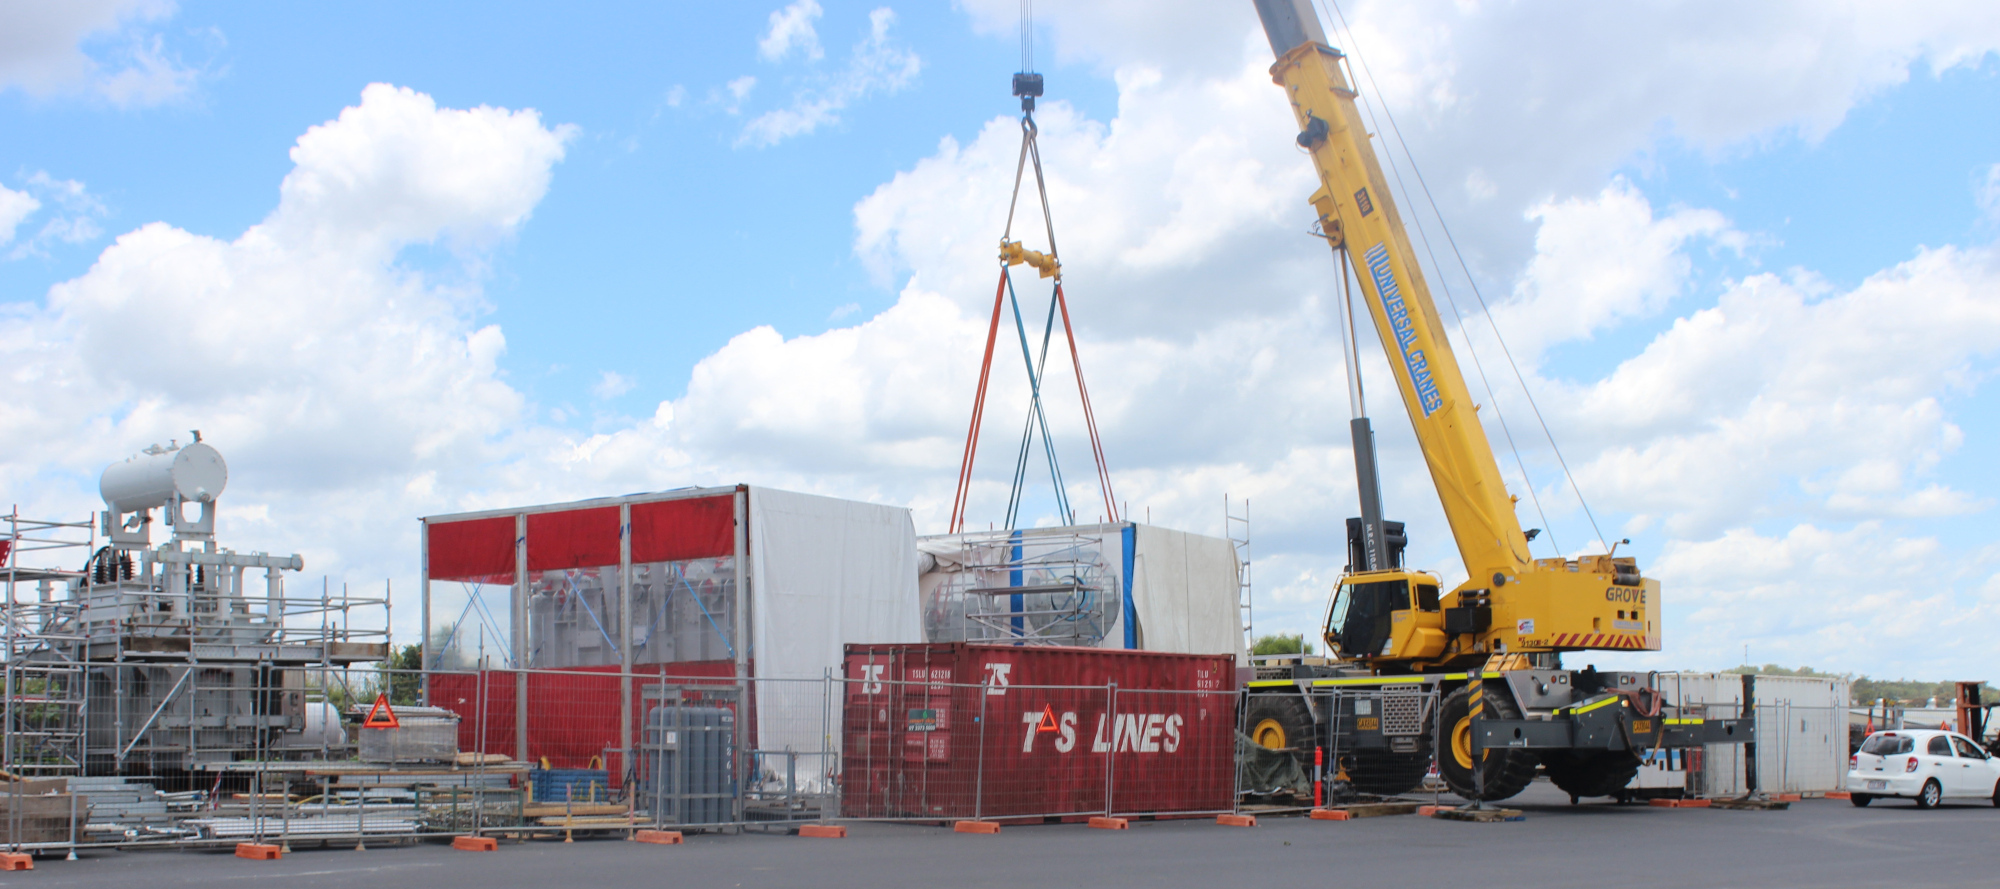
<point>1507,771</point>
<point>1861,800</point>
<point>1931,795</point>
<point>1292,718</point>
<point>1386,774</point>
<point>1582,773</point>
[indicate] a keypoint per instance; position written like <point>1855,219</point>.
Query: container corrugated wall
<point>959,730</point>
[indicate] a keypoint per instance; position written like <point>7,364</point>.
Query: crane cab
<point>1377,616</point>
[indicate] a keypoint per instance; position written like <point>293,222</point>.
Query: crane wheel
<point>1582,773</point>
<point>1279,722</point>
<point>1383,773</point>
<point>1498,773</point>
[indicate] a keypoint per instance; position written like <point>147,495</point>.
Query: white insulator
<point>150,479</point>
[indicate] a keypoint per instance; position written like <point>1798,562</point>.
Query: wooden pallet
<point>1374,810</point>
<point>1750,804</point>
<point>1479,816</point>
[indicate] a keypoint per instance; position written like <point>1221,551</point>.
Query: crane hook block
<point>1012,253</point>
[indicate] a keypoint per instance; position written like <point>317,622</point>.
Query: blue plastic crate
<point>573,785</point>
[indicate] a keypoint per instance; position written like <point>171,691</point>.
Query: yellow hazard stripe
<point>1604,703</point>
<point>1270,683</point>
<point>1684,721</point>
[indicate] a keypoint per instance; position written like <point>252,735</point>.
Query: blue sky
<point>1745,258</point>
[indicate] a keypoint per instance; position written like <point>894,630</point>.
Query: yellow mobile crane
<point>1474,675</point>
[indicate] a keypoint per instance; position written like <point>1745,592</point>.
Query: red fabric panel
<point>572,713</point>
<point>477,550</point>
<point>673,530</point>
<point>577,538</point>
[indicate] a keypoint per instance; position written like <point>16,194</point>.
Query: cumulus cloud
<point>43,51</point>
<point>876,65</point>
<point>791,30</point>
<point>340,384</point>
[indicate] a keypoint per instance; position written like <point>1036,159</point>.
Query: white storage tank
<point>153,477</point>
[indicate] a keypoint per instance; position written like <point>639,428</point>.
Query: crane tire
<point>1507,771</point>
<point>1590,772</point>
<point>1280,722</point>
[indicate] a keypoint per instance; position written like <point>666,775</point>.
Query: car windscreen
<point>1887,745</point>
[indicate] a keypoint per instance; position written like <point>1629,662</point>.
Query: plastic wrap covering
<point>1125,585</point>
<point>423,734</point>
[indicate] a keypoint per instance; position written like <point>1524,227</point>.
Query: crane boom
<point>1358,213</point>
<point>1473,681</point>
<point>1512,601</point>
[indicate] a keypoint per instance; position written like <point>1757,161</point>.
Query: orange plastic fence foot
<point>662,837</point>
<point>1428,811</point>
<point>1237,820</point>
<point>976,827</point>
<point>1110,823</point>
<point>21,861</point>
<point>475,844</point>
<point>828,831</point>
<point>1329,815</point>
<point>1786,798</point>
<point>1839,794</point>
<point>258,852</point>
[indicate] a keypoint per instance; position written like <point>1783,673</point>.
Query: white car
<point>1926,765</point>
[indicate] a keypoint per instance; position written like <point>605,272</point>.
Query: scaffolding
<point>122,658</point>
<point>1237,529</point>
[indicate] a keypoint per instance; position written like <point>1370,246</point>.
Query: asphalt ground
<point>1816,843</point>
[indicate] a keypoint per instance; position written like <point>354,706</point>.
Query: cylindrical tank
<point>149,479</point>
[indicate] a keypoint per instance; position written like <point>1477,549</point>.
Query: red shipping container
<point>959,730</point>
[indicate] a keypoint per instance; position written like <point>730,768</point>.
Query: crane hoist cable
<point>1028,85</point>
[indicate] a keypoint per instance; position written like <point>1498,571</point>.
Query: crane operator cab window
<point>1359,619</point>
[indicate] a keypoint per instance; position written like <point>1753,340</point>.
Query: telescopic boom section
<point>1357,212</point>
<point>1511,602</point>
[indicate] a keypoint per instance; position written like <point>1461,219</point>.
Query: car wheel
<point>1931,795</point>
<point>1861,799</point>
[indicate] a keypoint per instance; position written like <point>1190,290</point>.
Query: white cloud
<point>15,207</point>
<point>75,219</point>
<point>876,65</point>
<point>332,377</point>
<point>612,384</point>
<point>791,29</point>
<point>42,51</point>
<point>731,96</point>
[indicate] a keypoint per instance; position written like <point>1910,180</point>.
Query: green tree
<point>1281,643</point>
<point>401,675</point>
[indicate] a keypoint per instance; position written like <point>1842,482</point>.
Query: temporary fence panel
<point>1801,731</point>
<point>956,730</point>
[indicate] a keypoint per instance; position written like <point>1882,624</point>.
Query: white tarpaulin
<point>1182,588</point>
<point>823,573</point>
<point>1185,594</point>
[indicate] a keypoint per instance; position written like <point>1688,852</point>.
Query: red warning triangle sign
<point>380,716</point>
<point>1048,723</point>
